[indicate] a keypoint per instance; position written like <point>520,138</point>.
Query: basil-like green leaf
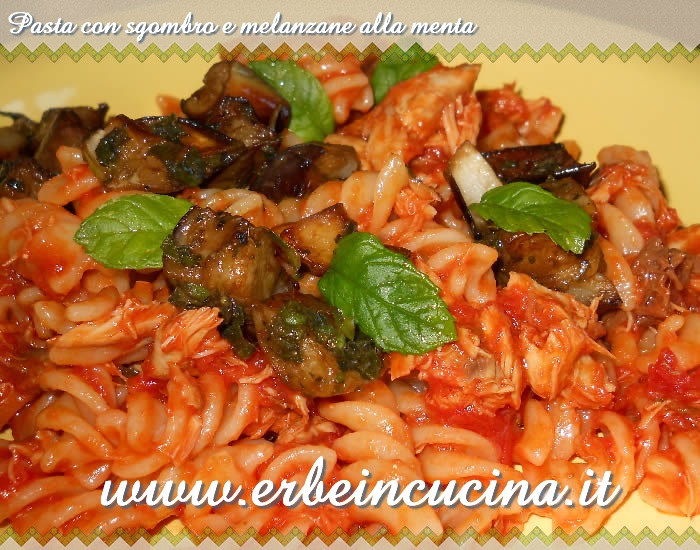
<point>312,110</point>
<point>395,304</point>
<point>126,233</point>
<point>527,208</point>
<point>396,67</point>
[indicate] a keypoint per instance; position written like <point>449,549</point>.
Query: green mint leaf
<point>397,66</point>
<point>395,304</point>
<point>126,233</point>
<point>527,208</point>
<point>312,110</point>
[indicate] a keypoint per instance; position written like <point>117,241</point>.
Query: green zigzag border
<point>679,51</point>
<point>471,54</point>
<point>536,535</point>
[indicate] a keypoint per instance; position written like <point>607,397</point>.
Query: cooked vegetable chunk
<point>536,163</point>
<point>21,177</point>
<point>314,238</point>
<point>159,154</point>
<point>233,79</point>
<point>299,169</point>
<point>312,347</point>
<point>470,175</point>
<point>16,139</point>
<point>235,117</point>
<point>215,259</point>
<point>246,169</point>
<point>223,253</point>
<point>537,255</point>
<point>68,126</point>
<point>581,275</point>
<point>65,127</point>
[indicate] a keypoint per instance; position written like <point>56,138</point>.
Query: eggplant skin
<point>233,79</point>
<point>312,347</point>
<point>235,117</point>
<point>298,170</point>
<point>21,178</point>
<point>537,163</point>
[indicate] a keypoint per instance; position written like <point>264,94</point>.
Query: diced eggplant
<point>215,259</point>
<point>235,117</point>
<point>470,175</point>
<point>581,275</point>
<point>314,238</point>
<point>69,126</point>
<point>185,132</point>
<point>21,177</point>
<point>301,168</point>
<point>224,253</point>
<point>242,172</point>
<point>159,154</point>
<point>312,347</point>
<point>16,139</point>
<point>233,79</point>
<point>537,163</point>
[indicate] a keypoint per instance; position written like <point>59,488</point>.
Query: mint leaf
<point>397,66</point>
<point>312,110</point>
<point>126,233</point>
<point>527,208</point>
<point>395,304</point>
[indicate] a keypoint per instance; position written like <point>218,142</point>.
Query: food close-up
<point>379,263</point>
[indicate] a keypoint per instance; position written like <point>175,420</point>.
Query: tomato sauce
<point>667,382</point>
<point>501,428</point>
<point>11,282</point>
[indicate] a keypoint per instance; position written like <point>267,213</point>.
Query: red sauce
<point>500,107</point>
<point>22,472</point>
<point>156,387</point>
<point>233,370</point>
<point>500,428</point>
<point>667,382</point>
<point>432,161</point>
<point>11,282</point>
<point>93,378</point>
<point>465,314</point>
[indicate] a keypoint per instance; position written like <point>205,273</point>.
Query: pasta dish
<point>378,264</point>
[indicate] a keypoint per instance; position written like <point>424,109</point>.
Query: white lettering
<point>458,27</point>
<point>599,497</point>
<point>277,26</point>
<point>99,28</point>
<point>313,492</point>
<point>22,20</point>
<point>143,29</point>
